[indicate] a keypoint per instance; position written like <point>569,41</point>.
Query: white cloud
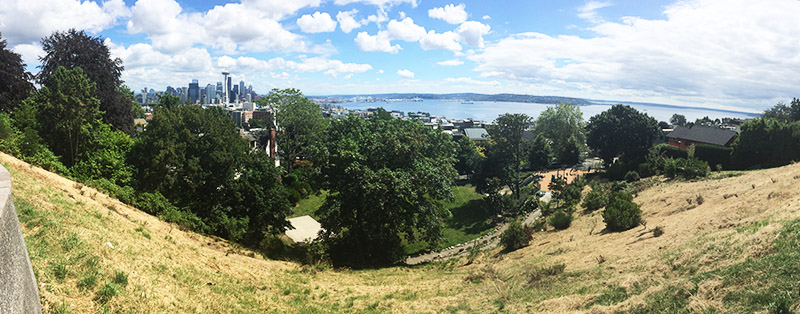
<point>227,28</point>
<point>305,65</point>
<point>278,9</point>
<point>29,53</point>
<point>379,3</point>
<point>405,73</point>
<point>319,22</point>
<point>378,18</point>
<point>450,63</point>
<point>26,22</point>
<point>453,14</point>
<point>379,42</point>
<point>445,41</point>
<point>471,33</point>
<point>736,52</point>
<point>589,10</point>
<point>380,71</point>
<point>470,81</point>
<point>405,30</point>
<point>486,17</point>
<point>346,20</point>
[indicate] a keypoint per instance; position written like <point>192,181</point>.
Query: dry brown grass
<point>178,271</point>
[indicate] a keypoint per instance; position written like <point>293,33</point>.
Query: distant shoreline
<point>517,98</point>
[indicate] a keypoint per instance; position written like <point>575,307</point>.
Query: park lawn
<point>309,205</point>
<point>469,220</point>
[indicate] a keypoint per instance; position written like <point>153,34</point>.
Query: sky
<point>727,54</point>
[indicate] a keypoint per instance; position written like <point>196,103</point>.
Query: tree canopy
<point>72,49</point>
<point>558,124</point>
<point>197,159</point>
<point>386,179</point>
<point>507,133</point>
<point>301,127</point>
<point>678,119</point>
<point>539,153</point>
<point>622,130</point>
<point>15,82</point>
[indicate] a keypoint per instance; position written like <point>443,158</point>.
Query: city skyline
<point>725,54</point>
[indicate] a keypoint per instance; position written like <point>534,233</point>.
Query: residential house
<point>477,135</point>
<point>684,137</point>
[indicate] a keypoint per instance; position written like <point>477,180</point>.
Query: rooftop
<point>703,134</point>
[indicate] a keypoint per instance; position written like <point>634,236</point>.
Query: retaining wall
<point>18,291</point>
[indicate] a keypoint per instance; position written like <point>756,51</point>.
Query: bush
<point>622,213</point>
<point>686,168</point>
<point>571,195</point>
<point>516,236</point>
<point>125,194</point>
<point>595,200</point>
<point>154,203</point>
<point>616,171</point>
<point>632,176</point>
<point>671,151</point>
<point>713,154</point>
<point>561,219</point>
<point>647,169</point>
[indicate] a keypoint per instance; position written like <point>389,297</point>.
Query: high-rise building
<point>241,90</point>
<point>171,91</point>
<point>228,85</point>
<point>211,93</point>
<point>235,93</point>
<point>194,92</point>
<point>183,92</point>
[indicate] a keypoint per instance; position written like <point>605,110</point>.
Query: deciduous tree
<point>386,179</point>
<point>622,130</point>
<point>15,82</point>
<point>558,124</point>
<point>72,49</point>
<point>301,127</point>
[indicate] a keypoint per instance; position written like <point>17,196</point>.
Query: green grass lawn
<point>309,205</point>
<point>469,220</point>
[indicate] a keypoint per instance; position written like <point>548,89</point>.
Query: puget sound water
<point>489,110</point>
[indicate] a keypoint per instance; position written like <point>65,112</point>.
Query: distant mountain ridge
<point>472,97</point>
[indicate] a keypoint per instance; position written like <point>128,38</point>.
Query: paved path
<point>488,240</point>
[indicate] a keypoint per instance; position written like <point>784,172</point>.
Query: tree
<point>168,101</point>
<point>197,160</point>
<point>795,110</point>
<point>780,112</point>
<point>507,133</point>
<point>678,119</point>
<point>516,236</point>
<point>387,180</point>
<point>571,152</point>
<point>72,49</point>
<point>558,124</point>
<point>467,157</point>
<point>66,113</point>
<point>622,130</point>
<point>301,127</point>
<point>540,154</point>
<point>15,82</point>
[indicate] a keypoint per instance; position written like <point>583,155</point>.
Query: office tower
<point>194,92</point>
<point>228,90</point>
<point>210,92</point>
<point>241,89</point>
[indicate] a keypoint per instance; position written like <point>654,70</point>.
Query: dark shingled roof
<point>477,134</point>
<point>703,134</point>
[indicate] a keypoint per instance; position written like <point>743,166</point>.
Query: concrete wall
<point>18,291</point>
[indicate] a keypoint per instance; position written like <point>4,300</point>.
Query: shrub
<point>671,151</point>
<point>647,169</point>
<point>595,200</point>
<point>616,171</point>
<point>571,195</point>
<point>154,203</point>
<point>621,213</point>
<point>632,176</point>
<point>686,168</point>
<point>713,154</point>
<point>516,236</point>
<point>561,219</point>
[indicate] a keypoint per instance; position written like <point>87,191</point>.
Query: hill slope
<point>733,250</point>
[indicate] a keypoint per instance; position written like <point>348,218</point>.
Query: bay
<point>489,110</point>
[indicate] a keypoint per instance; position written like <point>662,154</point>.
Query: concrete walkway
<point>488,240</point>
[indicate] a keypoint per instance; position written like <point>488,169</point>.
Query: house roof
<point>305,229</point>
<point>477,134</point>
<point>703,134</point>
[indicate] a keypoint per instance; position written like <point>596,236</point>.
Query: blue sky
<point>729,54</point>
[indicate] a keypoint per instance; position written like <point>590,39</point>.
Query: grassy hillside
<point>730,243</point>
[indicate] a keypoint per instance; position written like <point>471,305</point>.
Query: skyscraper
<point>211,93</point>
<point>241,90</point>
<point>228,85</point>
<point>194,92</point>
